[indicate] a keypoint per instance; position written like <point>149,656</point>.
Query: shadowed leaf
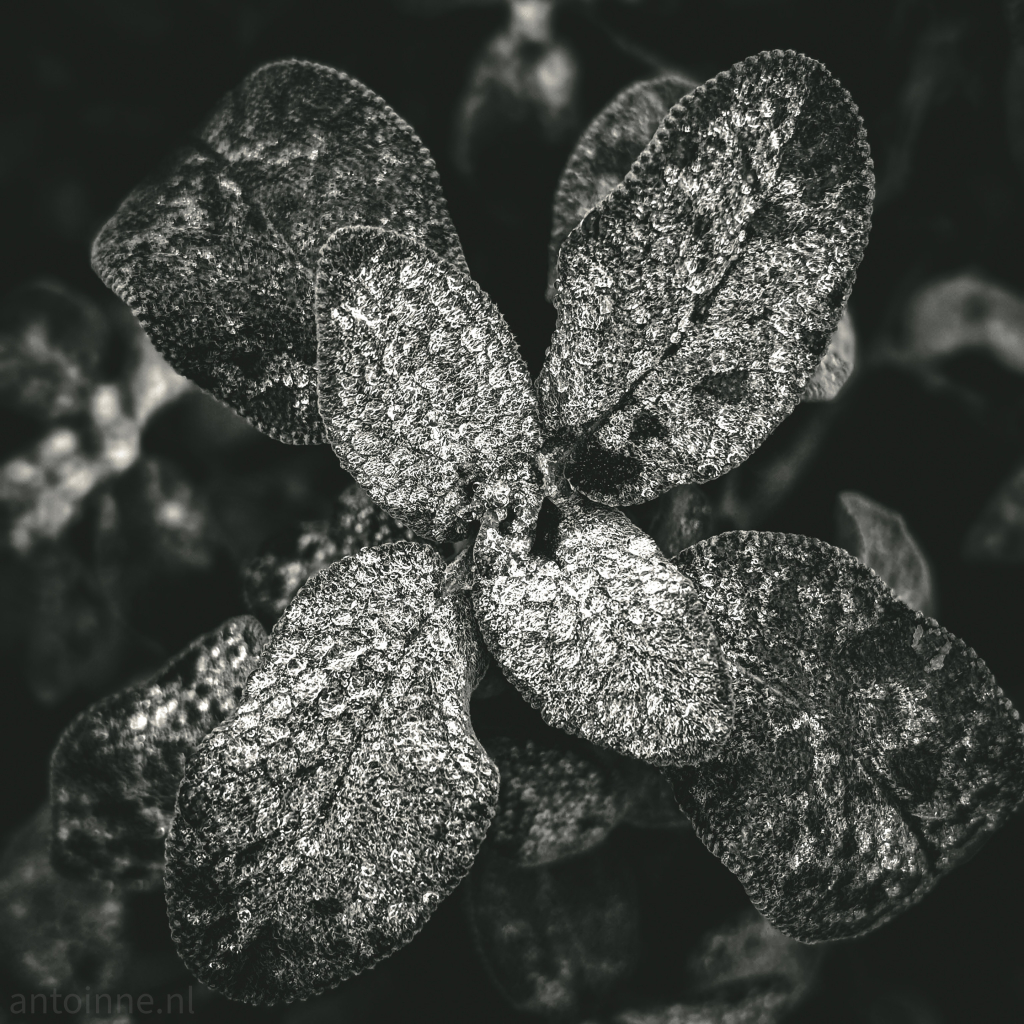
<point>698,297</point>
<point>115,772</point>
<point>872,752</point>
<point>601,633</point>
<point>318,828</point>
<point>836,365</point>
<point>425,398</point>
<point>879,537</point>
<point>997,535</point>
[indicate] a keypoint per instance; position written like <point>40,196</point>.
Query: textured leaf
<point>57,933</point>
<point>319,151</point>
<point>606,151</point>
<point>697,298</point>
<point>555,939</point>
<point>425,398</point>
<point>997,535</point>
<point>836,365</point>
<point>219,291</point>
<point>115,772</point>
<point>879,537</point>
<point>554,802</point>
<point>272,579</point>
<point>319,827</point>
<point>872,752</point>
<point>601,633</point>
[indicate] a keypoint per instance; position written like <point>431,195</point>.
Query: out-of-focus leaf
<point>425,398</point>
<point>872,750</point>
<point>606,151</point>
<point>962,312</point>
<point>319,827</point>
<point>679,518</point>
<point>879,537</point>
<point>698,297</point>
<point>274,577</point>
<point>555,940</point>
<point>601,633</point>
<point>647,797</point>
<point>997,535</point>
<point>57,933</point>
<point>554,802</point>
<point>836,365</point>
<point>115,771</point>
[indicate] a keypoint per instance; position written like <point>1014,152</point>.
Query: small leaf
<point>555,939</point>
<point>872,752</point>
<point>648,800</point>
<point>997,535</point>
<point>606,151</point>
<point>115,771</point>
<point>425,398</point>
<point>318,828</point>
<point>273,578</point>
<point>879,537</point>
<point>601,633</point>
<point>319,151</point>
<point>554,802</point>
<point>836,365</point>
<point>219,291</point>
<point>678,518</point>
<point>57,933</point>
<point>698,297</point>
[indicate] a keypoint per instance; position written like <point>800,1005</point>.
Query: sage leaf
<point>606,151</point>
<point>879,537</point>
<point>318,827</point>
<point>115,771</point>
<point>997,535</point>
<point>425,398</point>
<point>872,751</point>
<point>836,365</point>
<point>698,297</point>
<point>601,633</point>
<point>555,940</point>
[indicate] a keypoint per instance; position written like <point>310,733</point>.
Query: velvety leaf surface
<point>555,939</point>
<point>997,535</point>
<point>606,151</point>
<point>601,633</point>
<point>872,750</point>
<point>273,578</point>
<point>55,932</point>
<point>425,398</point>
<point>553,803</point>
<point>319,151</point>
<point>219,290</point>
<point>879,537</point>
<point>836,365</point>
<point>115,772</point>
<point>697,298</point>
<point>318,828</point>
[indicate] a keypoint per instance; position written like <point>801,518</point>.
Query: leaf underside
<point>873,751</point>
<point>115,771</point>
<point>605,152</point>
<point>216,254</point>
<point>319,827</point>
<point>604,636</point>
<point>698,297</point>
<point>424,395</point>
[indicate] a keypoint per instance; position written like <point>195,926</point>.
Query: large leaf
<point>873,751</point>
<point>606,150</point>
<point>698,297</point>
<point>319,827</point>
<point>424,396</point>
<point>604,635</point>
<point>115,772</point>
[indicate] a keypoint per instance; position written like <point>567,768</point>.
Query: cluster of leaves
<point>836,749</point>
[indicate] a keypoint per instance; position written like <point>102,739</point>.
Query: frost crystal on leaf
<point>115,771</point>
<point>873,751</point>
<point>698,297</point>
<point>319,827</point>
<point>598,630</point>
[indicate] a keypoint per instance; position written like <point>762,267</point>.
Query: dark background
<point>93,94</point>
